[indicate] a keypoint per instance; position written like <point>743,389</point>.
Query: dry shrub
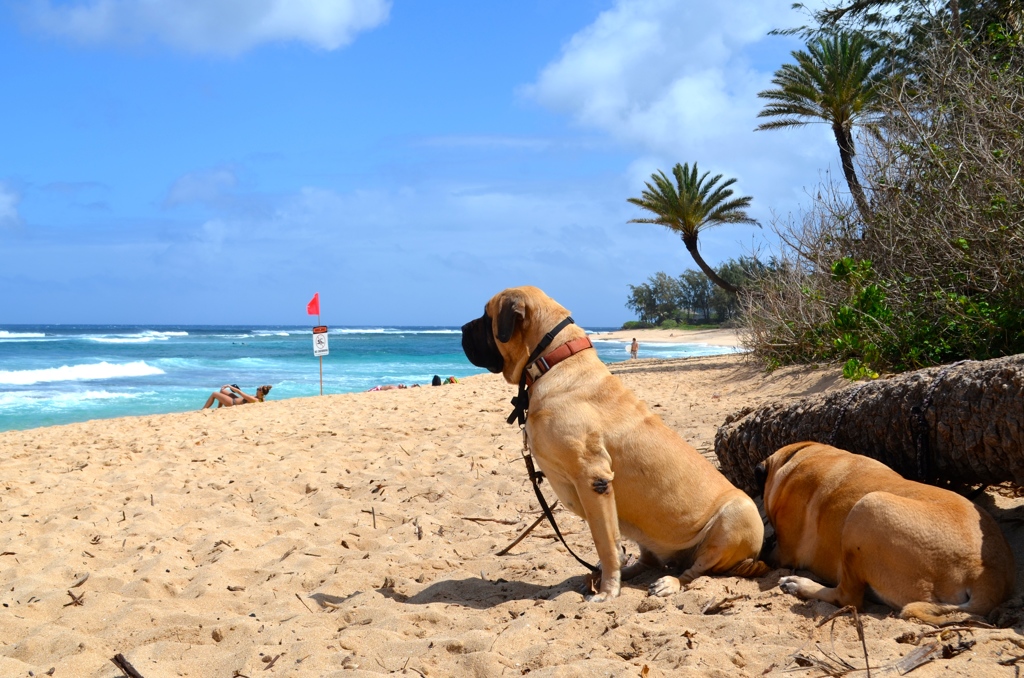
<point>938,273</point>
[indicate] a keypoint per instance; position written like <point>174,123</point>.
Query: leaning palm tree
<point>838,80</point>
<point>691,204</point>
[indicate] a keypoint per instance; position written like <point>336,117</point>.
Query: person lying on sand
<point>230,394</point>
<point>387,387</point>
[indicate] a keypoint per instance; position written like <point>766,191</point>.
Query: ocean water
<point>59,374</point>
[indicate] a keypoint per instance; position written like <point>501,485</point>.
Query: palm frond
<point>787,122</point>
<point>692,202</point>
<point>838,79</point>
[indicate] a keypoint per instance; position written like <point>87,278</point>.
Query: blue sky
<point>219,161</point>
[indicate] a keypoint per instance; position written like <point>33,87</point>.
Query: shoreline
<point>713,337</point>
<point>72,375</point>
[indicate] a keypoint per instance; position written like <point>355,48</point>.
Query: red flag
<point>313,307</point>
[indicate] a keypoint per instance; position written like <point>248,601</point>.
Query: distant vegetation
<point>690,299</point>
<point>915,259</point>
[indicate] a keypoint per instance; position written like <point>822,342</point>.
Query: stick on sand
<point>528,530</point>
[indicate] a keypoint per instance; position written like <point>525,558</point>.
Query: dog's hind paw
<point>790,585</point>
<point>664,587</point>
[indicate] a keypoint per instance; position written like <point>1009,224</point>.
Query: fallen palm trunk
<point>962,422</point>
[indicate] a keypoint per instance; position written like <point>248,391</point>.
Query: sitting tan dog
<point>854,522</point>
<point>609,459</point>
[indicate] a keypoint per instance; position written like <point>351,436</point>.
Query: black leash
<point>536,477</point>
<point>521,403</point>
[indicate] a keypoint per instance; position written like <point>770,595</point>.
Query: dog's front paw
<point>664,587</point>
<point>591,582</point>
<point>601,588</point>
<point>790,585</point>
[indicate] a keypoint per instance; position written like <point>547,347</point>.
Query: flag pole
<point>313,308</point>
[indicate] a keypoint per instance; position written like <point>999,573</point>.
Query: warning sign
<point>320,340</point>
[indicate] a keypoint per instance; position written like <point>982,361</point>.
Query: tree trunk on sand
<point>962,423</point>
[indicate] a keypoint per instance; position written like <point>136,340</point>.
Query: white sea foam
<point>103,370</point>
<point>248,363</point>
<point>48,400</point>
<point>122,340</point>
<point>391,330</point>
<point>96,395</point>
<point>143,337</point>
<point>4,334</point>
<point>179,364</point>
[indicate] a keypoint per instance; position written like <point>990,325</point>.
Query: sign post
<point>319,335</point>
<point>320,349</point>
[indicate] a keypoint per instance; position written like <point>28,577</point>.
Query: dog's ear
<point>512,310</point>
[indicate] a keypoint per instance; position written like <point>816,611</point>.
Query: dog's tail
<point>984,596</point>
<point>938,613</point>
<point>750,568</point>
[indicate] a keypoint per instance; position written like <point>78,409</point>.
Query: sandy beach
<point>715,337</point>
<point>356,534</point>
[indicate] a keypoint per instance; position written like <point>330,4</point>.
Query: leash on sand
<point>521,403</point>
<point>535,478</point>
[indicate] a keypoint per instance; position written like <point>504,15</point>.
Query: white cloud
<point>677,81</point>
<point>9,199</point>
<point>208,187</point>
<point>211,26</point>
<point>402,246</point>
<point>511,143</point>
<point>212,235</point>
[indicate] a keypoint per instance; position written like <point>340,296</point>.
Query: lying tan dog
<point>609,459</point>
<point>854,522</point>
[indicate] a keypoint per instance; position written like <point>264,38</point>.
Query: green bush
<point>935,275</point>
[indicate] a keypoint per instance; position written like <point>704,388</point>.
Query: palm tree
<point>838,80</point>
<point>690,205</point>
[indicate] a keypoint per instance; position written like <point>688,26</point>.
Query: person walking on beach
<point>230,394</point>
<point>634,349</point>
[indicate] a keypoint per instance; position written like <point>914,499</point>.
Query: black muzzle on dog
<point>479,346</point>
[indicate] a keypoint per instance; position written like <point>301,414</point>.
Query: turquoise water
<point>58,374</point>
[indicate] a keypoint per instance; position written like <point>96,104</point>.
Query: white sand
<point>714,337</point>
<point>355,534</point>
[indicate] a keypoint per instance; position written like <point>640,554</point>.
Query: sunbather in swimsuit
<point>230,394</point>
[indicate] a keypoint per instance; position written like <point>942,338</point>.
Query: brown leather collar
<point>541,366</point>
